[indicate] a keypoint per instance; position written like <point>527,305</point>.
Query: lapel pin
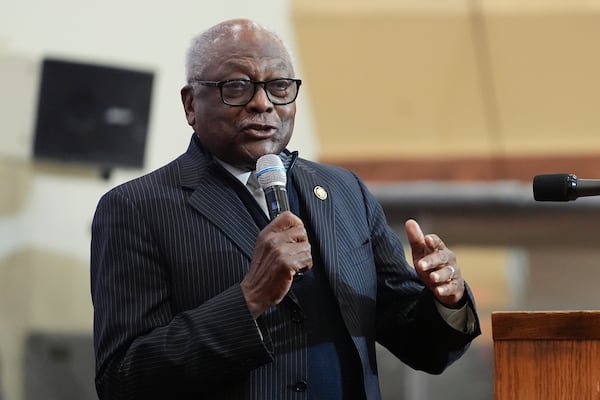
<point>320,192</point>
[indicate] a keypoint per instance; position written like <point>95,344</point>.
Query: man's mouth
<point>259,130</point>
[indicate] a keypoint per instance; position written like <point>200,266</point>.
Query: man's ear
<point>187,98</point>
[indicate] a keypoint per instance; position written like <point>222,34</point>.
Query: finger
<point>285,220</point>
<point>447,289</point>
<point>285,228</point>
<point>438,259</point>
<point>451,273</point>
<point>290,256</point>
<point>299,253</point>
<point>299,268</point>
<point>451,292</point>
<point>434,242</point>
<point>414,233</point>
<point>297,234</point>
<point>444,275</point>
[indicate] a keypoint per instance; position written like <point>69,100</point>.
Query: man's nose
<point>260,101</point>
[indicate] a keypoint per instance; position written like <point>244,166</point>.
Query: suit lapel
<point>320,208</point>
<point>320,213</point>
<point>216,200</point>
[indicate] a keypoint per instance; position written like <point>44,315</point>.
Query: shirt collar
<point>288,158</point>
<point>240,174</point>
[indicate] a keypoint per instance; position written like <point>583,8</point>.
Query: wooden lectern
<point>551,355</point>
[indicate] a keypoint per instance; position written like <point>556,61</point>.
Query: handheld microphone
<point>563,187</point>
<point>271,176</point>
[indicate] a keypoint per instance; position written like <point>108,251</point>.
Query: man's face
<point>240,135</point>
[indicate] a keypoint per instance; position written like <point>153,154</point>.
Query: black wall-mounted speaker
<point>92,114</point>
<point>59,366</point>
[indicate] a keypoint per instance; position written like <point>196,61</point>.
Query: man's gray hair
<point>201,52</point>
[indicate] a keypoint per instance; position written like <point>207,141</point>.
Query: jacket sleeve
<point>408,323</point>
<point>142,349</point>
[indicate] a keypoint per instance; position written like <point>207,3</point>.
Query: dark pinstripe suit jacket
<point>169,250</point>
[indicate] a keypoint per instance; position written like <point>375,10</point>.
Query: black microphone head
<point>270,171</point>
<point>554,187</point>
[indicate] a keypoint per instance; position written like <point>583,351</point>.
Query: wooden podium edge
<point>546,325</point>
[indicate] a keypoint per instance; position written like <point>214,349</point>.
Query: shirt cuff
<point>461,319</point>
<point>259,332</point>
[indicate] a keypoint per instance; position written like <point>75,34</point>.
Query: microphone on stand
<point>563,187</point>
<point>272,178</point>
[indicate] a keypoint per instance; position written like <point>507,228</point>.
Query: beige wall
<point>412,79</point>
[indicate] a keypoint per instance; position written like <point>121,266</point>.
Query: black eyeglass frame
<point>255,84</point>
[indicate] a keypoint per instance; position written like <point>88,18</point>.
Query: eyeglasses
<point>239,92</point>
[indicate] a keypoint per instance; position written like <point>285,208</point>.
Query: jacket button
<point>299,386</point>
<point>297,316</point>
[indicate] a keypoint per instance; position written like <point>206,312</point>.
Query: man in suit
<point>197,295</point>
